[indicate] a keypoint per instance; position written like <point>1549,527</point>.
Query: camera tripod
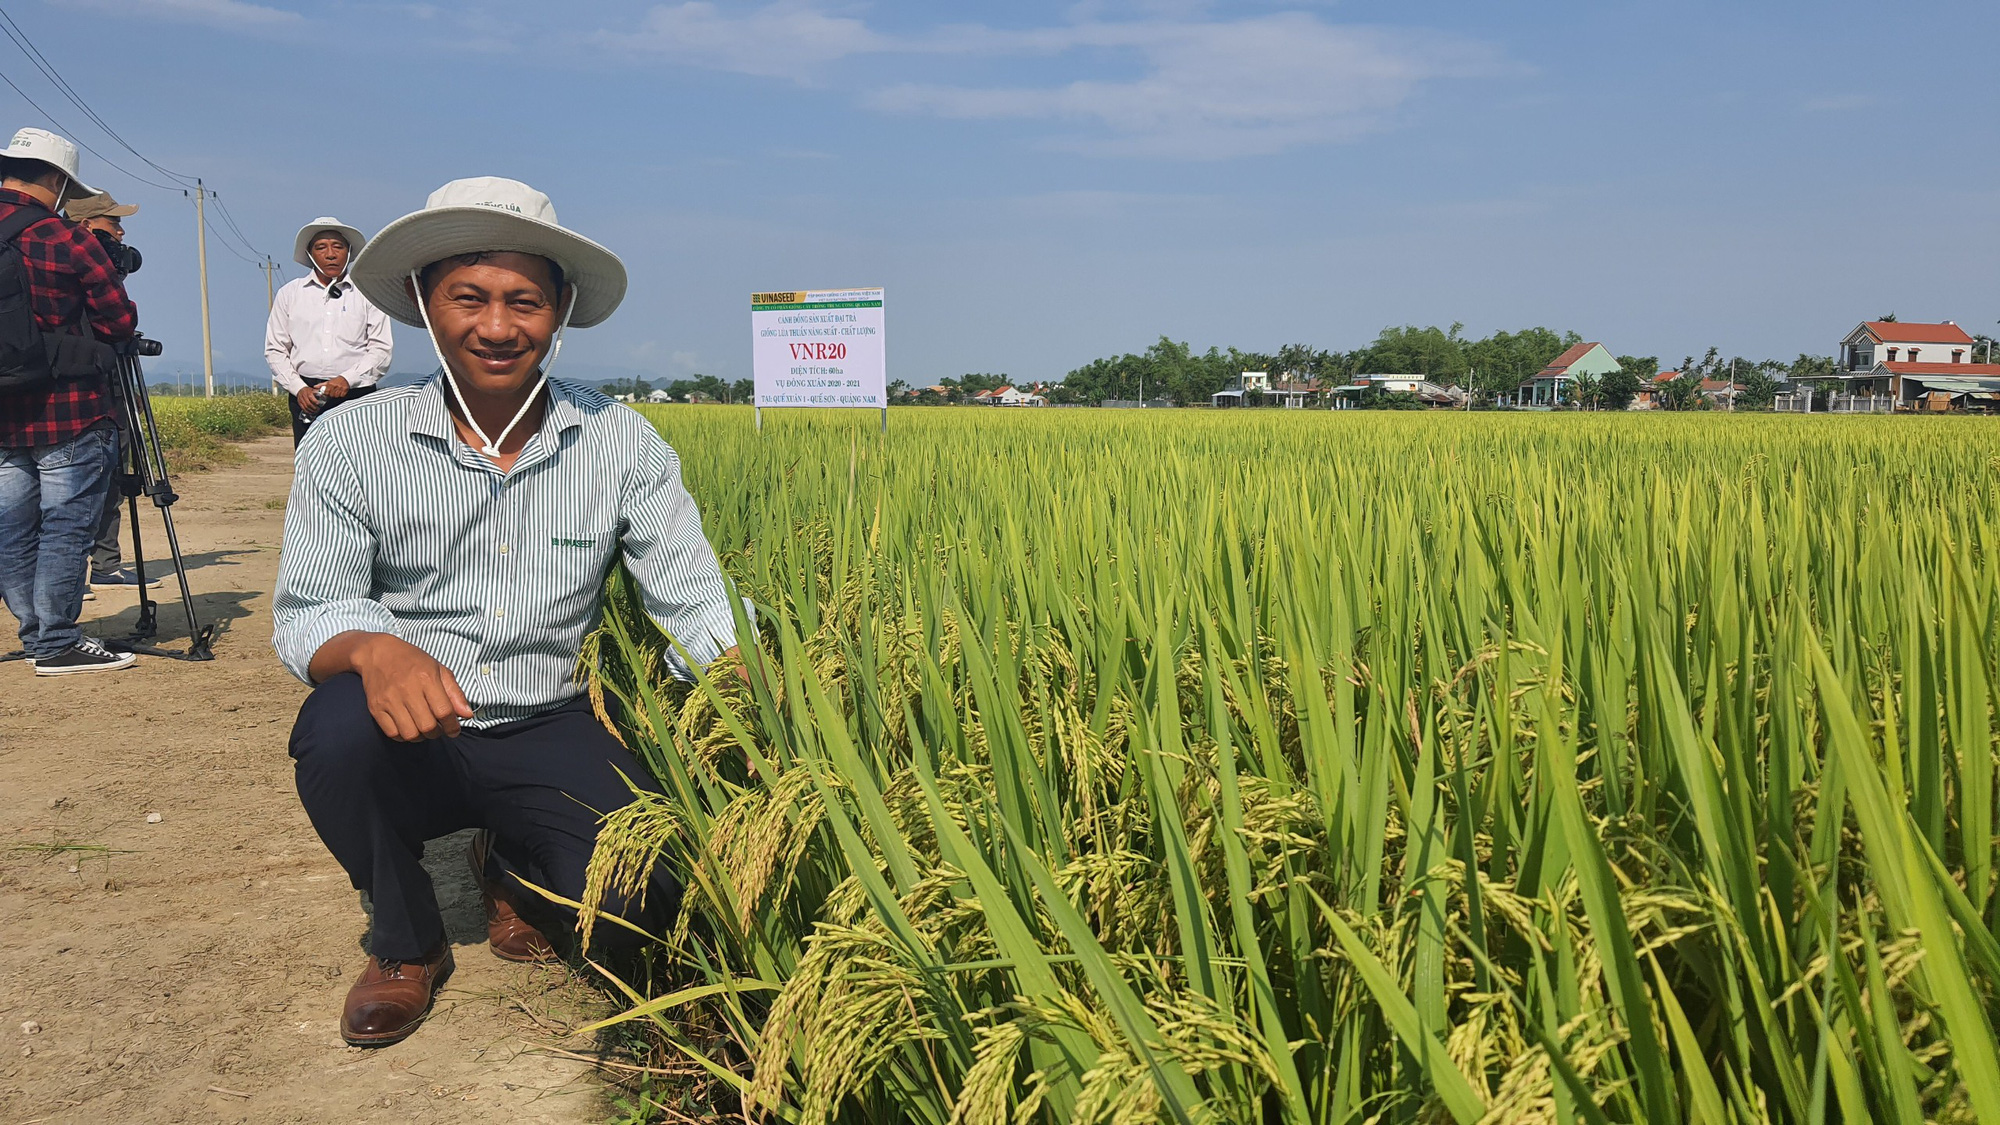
<point>144,473</point>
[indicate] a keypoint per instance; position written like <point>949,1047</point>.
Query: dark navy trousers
<point>540,785</point>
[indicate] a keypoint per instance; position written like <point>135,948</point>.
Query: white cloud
<point>235,14</point>
<point>782,39</point>
<point>1203,87</point>
<point>1219,89</point>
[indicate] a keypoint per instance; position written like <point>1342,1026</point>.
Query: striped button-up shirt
<point>396,526</point>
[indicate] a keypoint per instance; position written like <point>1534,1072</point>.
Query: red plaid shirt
<point>70,278</point>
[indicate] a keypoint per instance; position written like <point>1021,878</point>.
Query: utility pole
<point>270,269</point>
<point>201,195</point>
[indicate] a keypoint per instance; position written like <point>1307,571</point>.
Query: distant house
<point>1259,382</point>
<point>1549,385</point>
<point>1432,394</point>
<point>1015,396</point>
<point>1008,396</point>
<point>1721,393</point>
<point>1294,395</point>
<point>1648,397</point>
<point>1910,361</point>
<point>659,396</point>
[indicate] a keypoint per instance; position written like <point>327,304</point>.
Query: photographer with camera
<point>105,218</point>
<point>60,300</point>
<point>325,343</point>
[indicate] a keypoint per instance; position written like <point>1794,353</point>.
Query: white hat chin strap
<point>491,448</point>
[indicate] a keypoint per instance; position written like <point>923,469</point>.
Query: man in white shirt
<point>325,343</point>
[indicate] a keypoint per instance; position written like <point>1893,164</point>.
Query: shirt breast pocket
<point>350,328</point>
<point>577,562</point>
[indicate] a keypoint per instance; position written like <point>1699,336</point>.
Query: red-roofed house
<point>1648,397</point>
<point>1549,384</point>
<point>1909,361</point>
<point>1008,396</point>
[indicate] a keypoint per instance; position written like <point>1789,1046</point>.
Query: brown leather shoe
<point>392,998</point>
<point>508,934</point>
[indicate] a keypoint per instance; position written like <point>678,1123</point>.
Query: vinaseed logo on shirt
<point>559,541</point>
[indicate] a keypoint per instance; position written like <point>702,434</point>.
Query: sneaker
<point>124,578</point>
<point>86,655</point>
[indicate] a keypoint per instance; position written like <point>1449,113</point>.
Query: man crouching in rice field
<point>446,546</point>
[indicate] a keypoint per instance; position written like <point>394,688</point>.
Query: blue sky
<point>1038,184</point>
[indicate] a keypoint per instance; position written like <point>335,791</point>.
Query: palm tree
<point>1588,390</point>
<point>1682,393</point>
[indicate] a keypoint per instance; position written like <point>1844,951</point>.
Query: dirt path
<point>192,969</point>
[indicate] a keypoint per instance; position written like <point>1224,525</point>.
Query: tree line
<point>1489,366</point>
<point>710,388</point>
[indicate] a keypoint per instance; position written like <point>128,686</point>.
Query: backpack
<point>31,360</point>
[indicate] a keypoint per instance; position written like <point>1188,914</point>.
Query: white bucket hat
<point>54,151</point>
<point>486,213</point>
<point>301,246</point>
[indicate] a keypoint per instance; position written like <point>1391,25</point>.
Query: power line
<point>256,256</point>
<point>134,175</point>
<point>183,182</point>
<point>41,62</point>
<point>253,257</point>
<point>225,244</point>
<point>230,220</point>
<point>86,147</point>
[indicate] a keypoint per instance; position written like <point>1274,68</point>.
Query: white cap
<point>54,151</point>
<point>486,213</point>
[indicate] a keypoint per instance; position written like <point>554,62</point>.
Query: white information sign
<point>819,347</point>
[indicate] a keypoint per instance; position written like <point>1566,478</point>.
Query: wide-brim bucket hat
<point>302,245</point>
<point>56,152</point>
<point>481,215</point>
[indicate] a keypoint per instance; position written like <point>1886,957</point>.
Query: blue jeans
<point>51,497</point>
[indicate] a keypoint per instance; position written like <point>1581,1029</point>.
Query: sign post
<point>819,348</point>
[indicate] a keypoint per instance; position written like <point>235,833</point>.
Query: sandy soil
<point>192,969</point>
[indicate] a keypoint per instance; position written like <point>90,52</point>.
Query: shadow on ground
<point>457,894</point>
<point>219,609</point>
<point>157,565</point>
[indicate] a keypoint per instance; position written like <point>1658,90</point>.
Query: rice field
<point>195,432</point>
<point>1287,767</point>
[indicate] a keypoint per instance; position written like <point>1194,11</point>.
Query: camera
<point>125,259</point>
<point>139,345</point>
